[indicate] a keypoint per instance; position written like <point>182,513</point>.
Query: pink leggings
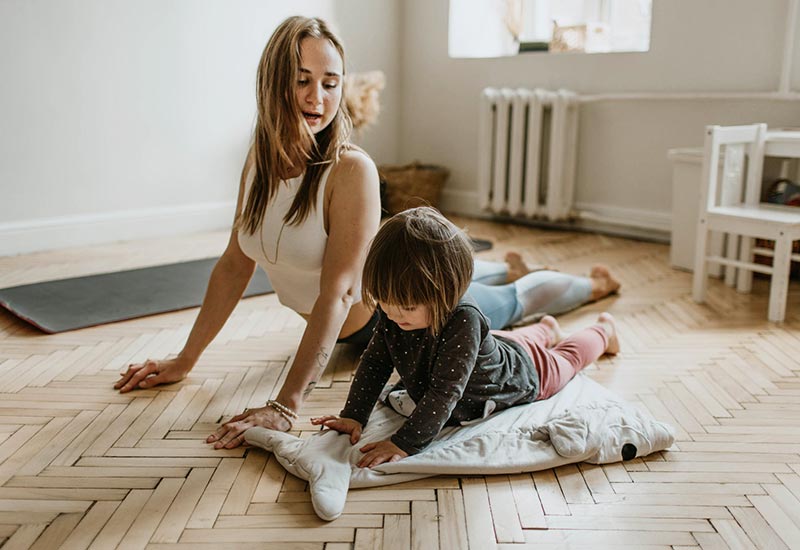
<point>558,365</point>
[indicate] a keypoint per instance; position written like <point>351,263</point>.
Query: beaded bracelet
<point>278,406</point>
<point>288,414</point>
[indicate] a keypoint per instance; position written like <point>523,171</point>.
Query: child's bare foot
<point>609,325</point>
<point>517,268</point>
<point>556,334</point>
<point>603,283</point>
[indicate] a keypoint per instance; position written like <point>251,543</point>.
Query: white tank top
<point>290,254</point>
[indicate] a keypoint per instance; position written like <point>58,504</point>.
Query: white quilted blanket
<point>583,422</point>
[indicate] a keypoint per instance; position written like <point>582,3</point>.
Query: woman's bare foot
<point>556,334</point>
<point>603,283</point>
<point>517,268</point>
<point>609,325</point>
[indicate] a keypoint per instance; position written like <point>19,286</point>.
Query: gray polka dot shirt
<point>450,376</point>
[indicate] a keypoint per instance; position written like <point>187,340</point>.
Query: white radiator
<point>526,152</point>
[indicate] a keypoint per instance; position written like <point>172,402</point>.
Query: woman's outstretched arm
<point>226,285</point>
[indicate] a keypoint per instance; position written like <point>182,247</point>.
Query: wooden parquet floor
<point>82,466</point>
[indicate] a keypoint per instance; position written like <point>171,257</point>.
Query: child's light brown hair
<point>419,257</point>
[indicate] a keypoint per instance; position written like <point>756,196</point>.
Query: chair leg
<point>716,247</point>
<point>700,278</point>
<point>744,281</point>
<point>779,285</point>
<point>732,253</point>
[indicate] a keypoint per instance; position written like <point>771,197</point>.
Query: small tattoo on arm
<point>322,359</point>
<point>322,362</point>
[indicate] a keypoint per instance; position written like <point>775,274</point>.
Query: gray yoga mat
<point>69,304</point>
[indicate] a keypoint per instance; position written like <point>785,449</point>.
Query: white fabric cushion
<point>583,422</point>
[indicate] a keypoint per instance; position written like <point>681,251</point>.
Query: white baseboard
<point>632,222</point>
<point>626,217</point>
<point>70,231</point>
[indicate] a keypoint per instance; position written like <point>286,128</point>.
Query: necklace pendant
<point>277,244</point>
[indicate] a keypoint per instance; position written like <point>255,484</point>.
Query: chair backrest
<point>737,187</point>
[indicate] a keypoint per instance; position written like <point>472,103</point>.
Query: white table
<point>783,143</point>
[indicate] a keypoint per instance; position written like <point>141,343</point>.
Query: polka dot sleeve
<point>374,369</point>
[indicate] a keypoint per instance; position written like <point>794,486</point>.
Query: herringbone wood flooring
<point>84,467</point>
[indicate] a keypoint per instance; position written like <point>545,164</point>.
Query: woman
<point>308,206</point>
<point>307,209</point>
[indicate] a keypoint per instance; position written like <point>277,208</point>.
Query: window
<point>496,28</point>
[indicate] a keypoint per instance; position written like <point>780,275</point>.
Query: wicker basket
<point>412,185</point>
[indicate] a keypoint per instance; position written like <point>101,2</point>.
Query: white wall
<point>371,35</point>
<point>122,120</point>
<point>623,172</point>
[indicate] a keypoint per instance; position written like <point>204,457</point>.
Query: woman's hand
<point>152,373</point>
<point>341,425</point>
<point>380,452</point>
<point>231,434</point>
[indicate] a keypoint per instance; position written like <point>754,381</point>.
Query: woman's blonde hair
<point>419,257</point>
<point>281,138</point>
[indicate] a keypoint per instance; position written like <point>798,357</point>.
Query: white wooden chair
<point>734,208</point>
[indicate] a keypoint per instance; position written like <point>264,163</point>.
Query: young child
<point>417,272</point>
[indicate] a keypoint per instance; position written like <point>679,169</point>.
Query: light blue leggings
<point>540,292</point>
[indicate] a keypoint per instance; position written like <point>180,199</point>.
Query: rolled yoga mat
<point>69,304</point>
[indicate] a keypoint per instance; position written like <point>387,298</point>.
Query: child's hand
<point>341,425</point>
<point>380,452</point>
